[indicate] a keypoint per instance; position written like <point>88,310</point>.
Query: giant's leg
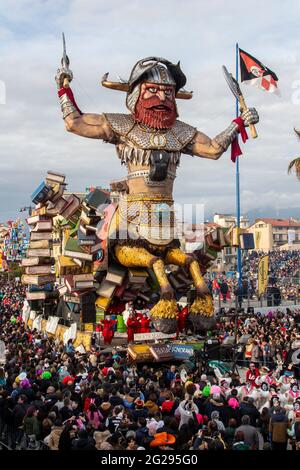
<point>166,308</point>
<point>203,304</point>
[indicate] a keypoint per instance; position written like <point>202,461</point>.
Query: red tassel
<point>235,148</point>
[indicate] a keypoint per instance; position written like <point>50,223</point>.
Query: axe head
<point>232,83</point>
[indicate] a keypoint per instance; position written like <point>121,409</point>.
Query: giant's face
<point>156,106</point>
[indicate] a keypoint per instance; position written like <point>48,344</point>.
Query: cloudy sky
<point>111,36</point>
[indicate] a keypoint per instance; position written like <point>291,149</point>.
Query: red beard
<point>156,118</point>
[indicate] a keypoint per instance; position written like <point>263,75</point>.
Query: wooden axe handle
<point>66,82</point>
<point>251,126</point>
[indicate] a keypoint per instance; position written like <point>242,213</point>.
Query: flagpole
<point>238,198</point>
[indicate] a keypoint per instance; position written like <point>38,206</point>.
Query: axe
<point>235,88</point>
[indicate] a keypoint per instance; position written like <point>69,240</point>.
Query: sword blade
<point>65,58</point>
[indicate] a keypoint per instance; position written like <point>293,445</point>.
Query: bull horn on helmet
<point>122,85</point>
<point>183,94</point>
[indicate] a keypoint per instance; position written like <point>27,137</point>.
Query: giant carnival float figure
<point>150,140</point>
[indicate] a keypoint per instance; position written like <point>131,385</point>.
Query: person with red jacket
<point>132,326</point>
<point>252,374</point>
<point>108,329</point>
<point>145,324</point>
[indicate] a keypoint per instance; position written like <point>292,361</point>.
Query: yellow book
<point>66,261</point>
<point>39,244</point>
<point>102,302</point>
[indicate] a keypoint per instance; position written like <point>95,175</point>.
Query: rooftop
<point>279,222</point>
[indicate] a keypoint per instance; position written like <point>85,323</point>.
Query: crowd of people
<point>284,273</point>
<point>54,397</point>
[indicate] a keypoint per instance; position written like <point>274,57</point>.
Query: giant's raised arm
<point>93,126</point>
<point>203,146</point>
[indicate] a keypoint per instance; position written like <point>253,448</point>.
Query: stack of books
<point>39,264</point>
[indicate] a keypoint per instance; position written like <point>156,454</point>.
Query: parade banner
<point>182,351</point>
<point>152,336</point>
<point>25,311</point>
<point>263,270</point>
<point>52,325</point>
<point>37,323</point>
<point>161,352</point>
<point>70,333</point>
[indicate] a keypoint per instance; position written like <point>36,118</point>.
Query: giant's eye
<point>152,89</point>
<point>168,92</point>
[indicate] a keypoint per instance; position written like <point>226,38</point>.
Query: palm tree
<point>295,164</point>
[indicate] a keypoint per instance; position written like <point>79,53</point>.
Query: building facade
<point>271,234</point>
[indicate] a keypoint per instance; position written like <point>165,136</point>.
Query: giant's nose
<point>161,94</point>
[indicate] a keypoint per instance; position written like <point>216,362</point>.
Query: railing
<point>13,438</point>
<point>248,301</point>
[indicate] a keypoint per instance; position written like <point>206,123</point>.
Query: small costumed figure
<point>121,325</point>
<point>293,393</point>
<point>252,374</point>
<point>138,317</point>
<point>132,326</point>
<point>128,310</point>
<point>292,413</point>
<point>181,319</point>
<point>108,329</point>
<point>285,383</point>
<point>145,324</point>
<point>263,400</point>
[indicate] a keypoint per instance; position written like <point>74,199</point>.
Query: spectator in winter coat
<point>249,432</point>
<point>31,424</point>
<point>215,404</point>
<point>294,432</point>
<point>19,411</point>
<point>142,433</point>
<point>84,442</point>
<point>94,417</point>
<point>52,440</point>
<point>230,432</point>
<point>278,429</point>
<point>186,410</point>
<point>215,417</point>
<point>248,408</point>
<point>239,442</point>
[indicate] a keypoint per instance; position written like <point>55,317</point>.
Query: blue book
<point>41,194</point>
<point>86,239</point>
<point>46,288</point>
<point>247,241</point>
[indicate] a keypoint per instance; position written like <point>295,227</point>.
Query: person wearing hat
<point>163,441</point>
<point>140,410</point>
